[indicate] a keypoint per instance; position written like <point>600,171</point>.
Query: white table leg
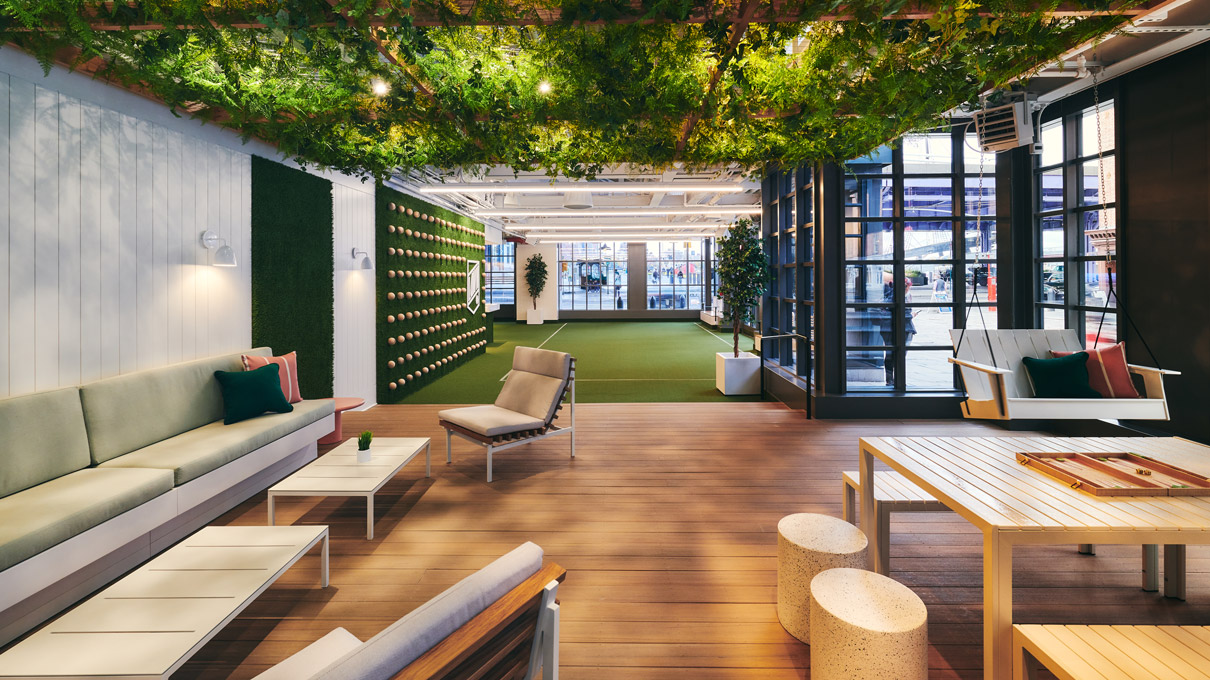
<point>1151,568</point>
<point>369,517</point>
<point>428,458</point>
<point>323,563</point>
<point>272,508</point>
<point>449,446</point>
<point>1174,571</point>
<point>997,606</point>
<point>868,519</point>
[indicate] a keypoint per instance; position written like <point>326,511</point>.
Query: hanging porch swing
<point>996,382</point>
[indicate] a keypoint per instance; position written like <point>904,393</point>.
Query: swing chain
<point>975,274</point>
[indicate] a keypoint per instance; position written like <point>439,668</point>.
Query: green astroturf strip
<point>616,361</point>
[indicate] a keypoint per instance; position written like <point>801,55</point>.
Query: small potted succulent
<point>363,446</point>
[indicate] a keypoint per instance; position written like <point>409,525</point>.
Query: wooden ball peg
<point>391,207</point>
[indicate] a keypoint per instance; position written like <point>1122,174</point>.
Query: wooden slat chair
<point>998,387</point>
<point>532,396</point>
<point>500,622</point>
<point>892,493</point>
<point>1120,652</point>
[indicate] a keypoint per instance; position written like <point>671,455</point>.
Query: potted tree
<point>742,270</point>
<point>535,281</point>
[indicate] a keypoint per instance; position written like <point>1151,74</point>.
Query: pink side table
<point>342,404</point>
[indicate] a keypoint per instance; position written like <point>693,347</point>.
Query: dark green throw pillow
<point>250,393</point>
<point>1061,378</point>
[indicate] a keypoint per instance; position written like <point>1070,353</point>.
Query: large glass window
<point>592,275</point>
<point>676,274</point>
<point>1076,223</point>
<point>501,265</point>
<point>789,305</point>
<point>920,248</point>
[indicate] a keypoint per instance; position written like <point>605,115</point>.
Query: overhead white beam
<point>591,187</point>
<point>624,212</point>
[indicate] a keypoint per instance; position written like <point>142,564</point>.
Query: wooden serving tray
<point>1117,474</point>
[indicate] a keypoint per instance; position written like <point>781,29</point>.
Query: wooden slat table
<point>337,473</point>
<point>154,619</point>
<point>980,479</point>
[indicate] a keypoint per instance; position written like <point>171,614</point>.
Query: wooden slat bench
<point>892,493</point>
<point>1118,652</point>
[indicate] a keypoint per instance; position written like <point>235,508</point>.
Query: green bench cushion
<point>42,436</point>
<point>200,450</point>
<point>130,412</point>
<point>40,518</point>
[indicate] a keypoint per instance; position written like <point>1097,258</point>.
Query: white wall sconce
<point>224,256</point>
<point>361,259</point>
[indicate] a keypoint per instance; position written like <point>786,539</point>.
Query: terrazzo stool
<point>865,626</point>
<point>808,544</point>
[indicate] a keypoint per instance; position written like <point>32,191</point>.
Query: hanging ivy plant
<point>297,73</point>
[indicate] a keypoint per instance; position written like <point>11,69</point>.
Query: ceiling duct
<point>577,200</point>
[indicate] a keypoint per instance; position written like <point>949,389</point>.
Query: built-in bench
<point>892,493</point>
<point>96,479</point>
<point>1123,652</point>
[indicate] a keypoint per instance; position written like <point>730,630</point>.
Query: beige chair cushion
<point>490,421</point>
<point>534,395</point>
<point>543,362</point>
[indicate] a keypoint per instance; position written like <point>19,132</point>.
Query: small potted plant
<point>363,446</point>
<point>742,271</point>
<point>535,282</point>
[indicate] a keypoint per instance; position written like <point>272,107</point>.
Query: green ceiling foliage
<point>622,89</point>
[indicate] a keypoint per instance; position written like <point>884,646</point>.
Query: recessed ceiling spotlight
<point>379,87</point>
<point>544,87</point>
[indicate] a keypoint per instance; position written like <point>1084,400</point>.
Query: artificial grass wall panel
<point>292,269</point>
<point>425,328</point>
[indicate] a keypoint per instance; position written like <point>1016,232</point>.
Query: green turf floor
<point>616,361</point>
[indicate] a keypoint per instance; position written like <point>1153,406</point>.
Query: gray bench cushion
<point>42,436</point>
<point>130,412</point>
<point>200,450</point>
<point>404,641</point>
<point>40,518</point>
<point>490,421</point>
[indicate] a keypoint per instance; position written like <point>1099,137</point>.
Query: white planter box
<point>363,456</point>
<point>533,317</point>
<point>737,375</point>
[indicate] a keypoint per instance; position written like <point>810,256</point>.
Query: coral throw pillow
<point>287,371</point>
<point>1108,373</point>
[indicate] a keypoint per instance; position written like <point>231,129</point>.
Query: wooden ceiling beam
<point>746,10</point>
<point>102,19</point>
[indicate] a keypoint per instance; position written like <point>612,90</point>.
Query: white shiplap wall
<point>101,271</point>
<point>353,227</point>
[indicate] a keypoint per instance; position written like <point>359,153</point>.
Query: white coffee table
<point>154,619</point>
<point>337,473</point>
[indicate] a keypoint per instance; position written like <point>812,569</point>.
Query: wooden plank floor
<point>666,523</point>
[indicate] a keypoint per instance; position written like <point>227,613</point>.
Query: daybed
<point>500,622</point>
<point>98,478</point>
